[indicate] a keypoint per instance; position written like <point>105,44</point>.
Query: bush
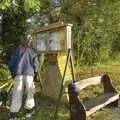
<point>4,72</point>
<point>96,29</point>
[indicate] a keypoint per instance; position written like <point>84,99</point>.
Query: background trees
<point>95,30</point>
<point>15,14</point>
<point>96,25</point>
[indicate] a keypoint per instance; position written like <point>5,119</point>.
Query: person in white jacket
<point>23,66</point>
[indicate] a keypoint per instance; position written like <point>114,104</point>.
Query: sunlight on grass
<point>45,107</point>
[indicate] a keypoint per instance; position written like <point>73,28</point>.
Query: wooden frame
<point>56,38</point>
<point>79,110</point>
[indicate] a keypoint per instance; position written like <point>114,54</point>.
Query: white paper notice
<point>41,41</point>
<point>41,45</point>
<point>54,41</point>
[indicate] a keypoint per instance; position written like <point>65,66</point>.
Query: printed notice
<point>54,41</point>
<point>42,39</point>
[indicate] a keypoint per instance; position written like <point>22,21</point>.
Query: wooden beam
<point>52,27</point>
<point>4,85</point>
<point>87,82</point>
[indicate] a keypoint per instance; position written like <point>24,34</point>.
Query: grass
<point>45,107</point>
<point>46,110</point>
<point>106,114</point>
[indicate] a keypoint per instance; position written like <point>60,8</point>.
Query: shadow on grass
<point>45,109</point>
<point>3,113</point>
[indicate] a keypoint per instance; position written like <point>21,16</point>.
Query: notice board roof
<point>51,27</point>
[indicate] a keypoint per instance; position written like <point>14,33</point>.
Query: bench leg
<point>77,114</point>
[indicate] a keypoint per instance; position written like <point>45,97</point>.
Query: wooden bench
<point>80,110</point>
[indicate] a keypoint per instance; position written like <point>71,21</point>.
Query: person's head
<point>26,40</point>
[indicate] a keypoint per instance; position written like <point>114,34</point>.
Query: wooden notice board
<point>53,38</point>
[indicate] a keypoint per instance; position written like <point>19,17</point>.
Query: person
<point>23,66</point>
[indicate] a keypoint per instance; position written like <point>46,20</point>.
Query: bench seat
<point>99,102</point>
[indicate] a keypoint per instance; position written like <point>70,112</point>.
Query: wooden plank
<point>0,103</point>
<point>87,82</point>
<point>51,27</point>
<point>4,85</point>
<point>9,87</point>
<point>99,102</point>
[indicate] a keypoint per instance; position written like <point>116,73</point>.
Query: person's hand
<point>13,75</point>
<point>35,77</point>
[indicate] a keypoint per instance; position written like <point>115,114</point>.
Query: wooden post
<point>77,109</point>
<point>108,87</point>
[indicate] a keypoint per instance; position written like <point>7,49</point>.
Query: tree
<point>95,28</point>
<point>14,25</point>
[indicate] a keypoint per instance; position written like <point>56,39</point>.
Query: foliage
<point>95,29</point>
<point>4,72</point>
<point>14,22</point>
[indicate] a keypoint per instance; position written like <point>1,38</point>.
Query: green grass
<point>45,107</point>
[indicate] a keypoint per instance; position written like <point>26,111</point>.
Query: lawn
<point>45,107</point>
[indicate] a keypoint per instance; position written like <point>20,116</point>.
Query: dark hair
<point>26,40</point>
